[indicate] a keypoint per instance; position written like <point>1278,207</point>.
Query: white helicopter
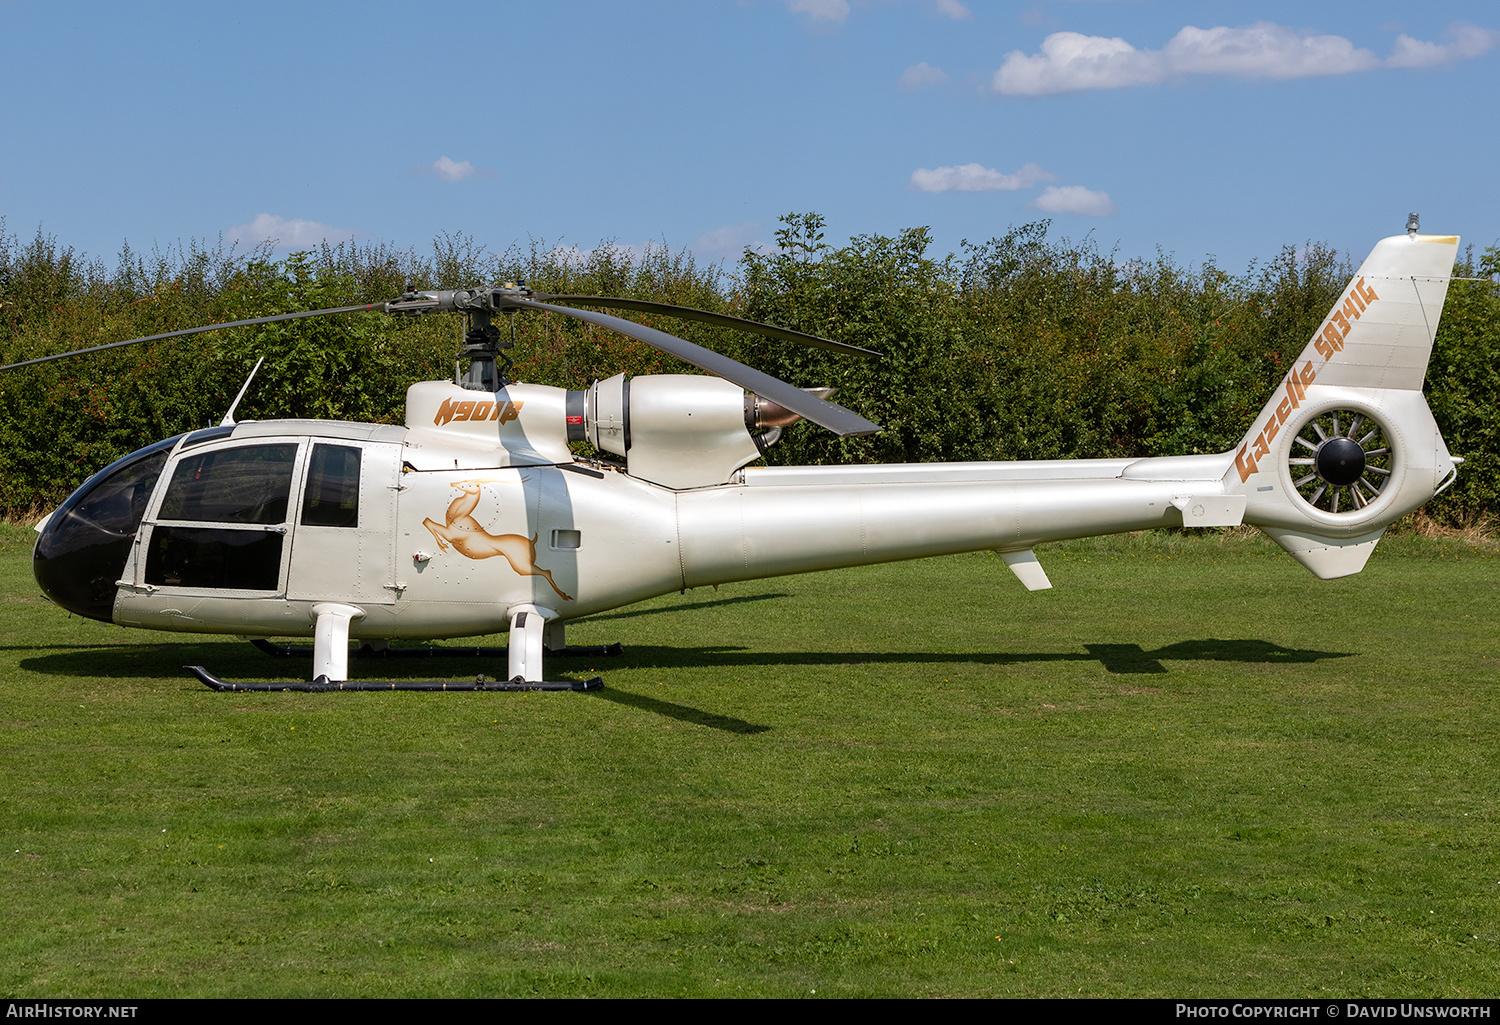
<point>477,517</point>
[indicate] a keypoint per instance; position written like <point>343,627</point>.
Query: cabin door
<point>344,524</point>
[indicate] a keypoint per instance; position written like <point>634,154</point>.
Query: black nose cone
<point>77,568</point>
<point>84,546</point>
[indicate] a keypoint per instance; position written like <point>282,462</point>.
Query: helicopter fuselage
<point>477,515</point>
<point>243,530</point>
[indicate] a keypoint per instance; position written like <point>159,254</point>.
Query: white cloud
<point>976,178</point>
<point>1075,199</point>
<point>1468,41</point>
<point>576,256</point>
<point>923,74</point>
<point>287,234</point>
<point>570,256</point>
<point>449,171</point>
<point>833,11</point>
<point>454,170</point>
<point>1262,50</point>
<point>1070,61</point>
<point>728,242</point>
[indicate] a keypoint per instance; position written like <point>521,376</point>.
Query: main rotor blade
<point>835,418</point>
<point>703,316</point>
<point>198,330</point>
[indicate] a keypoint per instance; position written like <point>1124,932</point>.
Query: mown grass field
<point>1190,769</point>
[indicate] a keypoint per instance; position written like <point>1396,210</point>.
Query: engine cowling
<point>677,430</point>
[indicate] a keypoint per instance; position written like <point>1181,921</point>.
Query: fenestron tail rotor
<point>1341,460</point>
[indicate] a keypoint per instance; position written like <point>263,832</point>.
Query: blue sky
<point>1229,129</point>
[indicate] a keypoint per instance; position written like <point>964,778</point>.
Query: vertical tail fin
<point>1347,445</point>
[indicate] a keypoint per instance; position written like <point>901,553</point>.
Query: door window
<point>332,495</point>
<point>248,560</point>
<point>250,484</point>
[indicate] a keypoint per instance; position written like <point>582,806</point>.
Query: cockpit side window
<point>249,484</point>
<point>332,495</point>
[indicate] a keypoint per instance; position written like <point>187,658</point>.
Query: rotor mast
<point>489,366</point>
<point>482,348</point>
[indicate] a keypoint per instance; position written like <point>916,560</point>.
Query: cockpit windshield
<point>112,502</point>
<point>82,551</point>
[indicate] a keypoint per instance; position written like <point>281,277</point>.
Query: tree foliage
<point>1025,346</point>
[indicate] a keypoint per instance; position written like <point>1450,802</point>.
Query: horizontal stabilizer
<point>1327,557</point>
<point>1211,510</point>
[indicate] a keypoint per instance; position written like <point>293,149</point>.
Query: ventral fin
<point>1028,569</point>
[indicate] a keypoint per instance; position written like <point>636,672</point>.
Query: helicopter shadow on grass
<point>1114,658</point>
<point>238,660</point>
<point>682,713</point>
<point>633,613</point>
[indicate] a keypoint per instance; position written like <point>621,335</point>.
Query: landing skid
<point>322,683</point>
<point>369,651</point>
<point>534,633</point>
